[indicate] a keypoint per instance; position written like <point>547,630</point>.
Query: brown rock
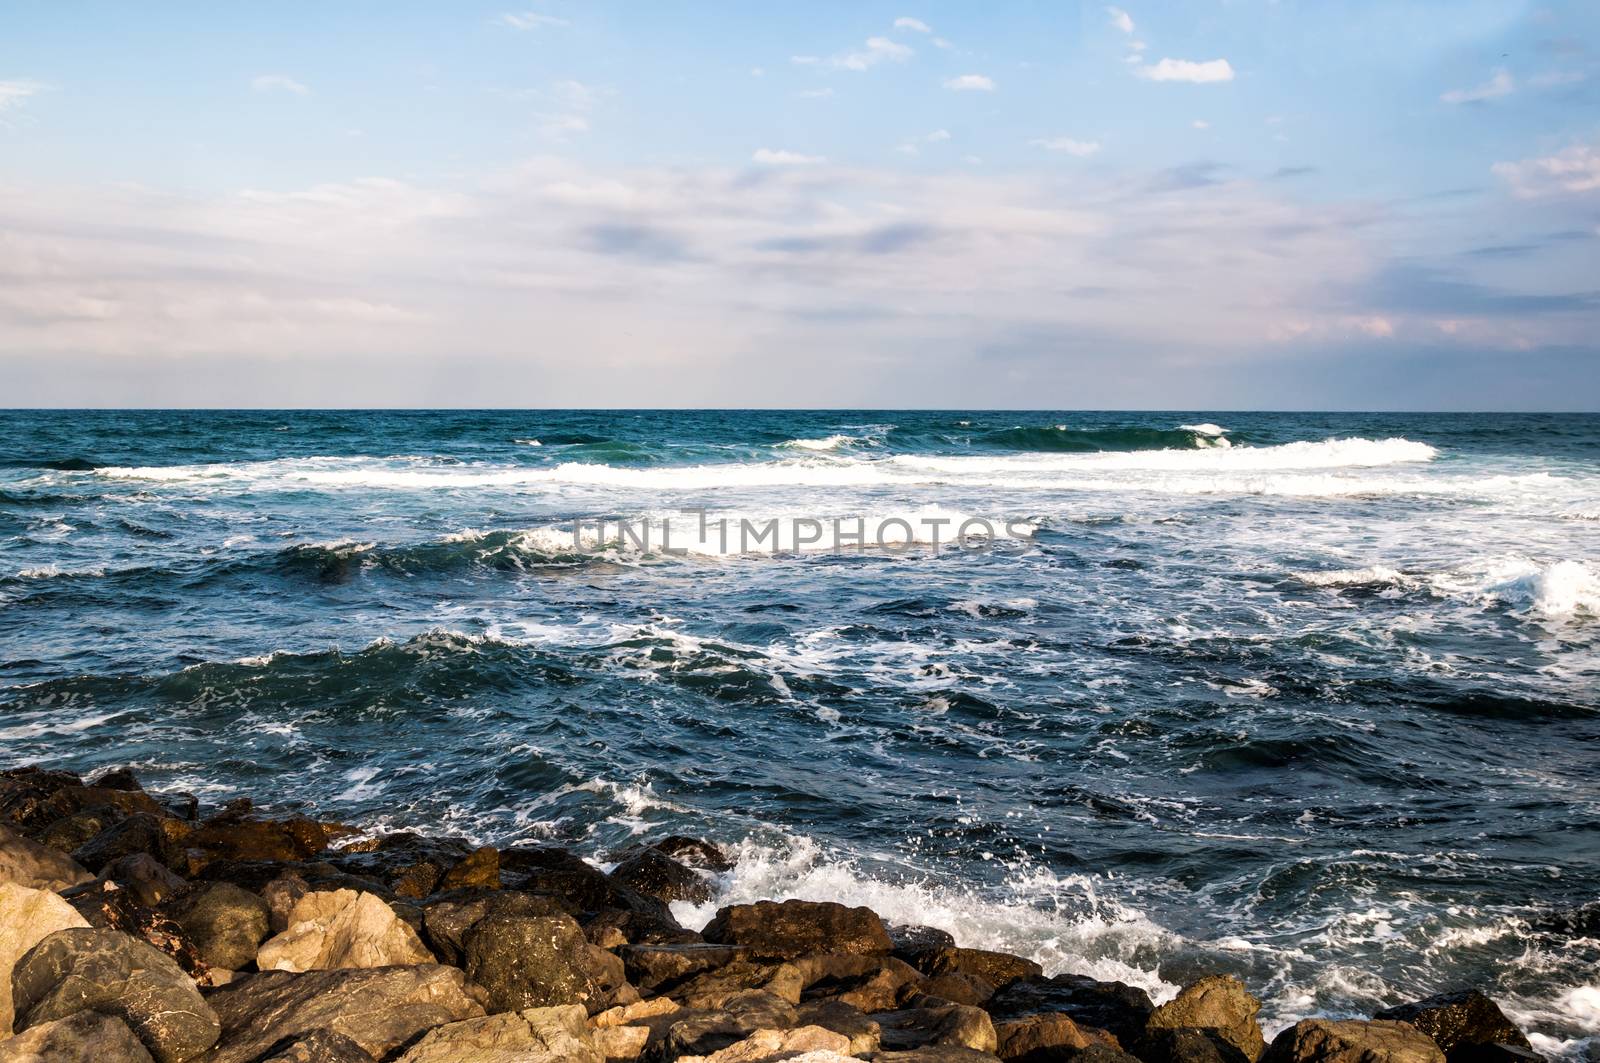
<point>714,988</point>
<point>859,1029</point>
<point>871,983</point>
<point>659,968</point>
<point>534,1035</point>
<point>1113,1006</point>
<point>1459,1020</point>
<point>654,873</point>
<point>86,1037</point>
<point>798,928</point>
<point>526,962</point>
<point>704,1032</point>
<point>27,917</point>
<point>447,917</point>
<point>768,1046</point>
<point>958,988</point>
<point>142,875</point>
<point>1044,1038</point>
<point>996,968</point>
<point>227,924</point>
<point>105,905</point>
<point>1216,1002</point>
<point>103,970</point>
<point>340,929</point>
<point>1352,1041</point>
<point>318,1046</point>
<point>25,862</point>
<point>954,1024</point>
<point>379,1008</point>
<point>479,868</point>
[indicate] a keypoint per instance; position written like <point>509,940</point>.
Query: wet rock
<point>798,928</point>
<point>227,924</point>
<point>526,962</point>
<point>958,988</point>
<point>480,869</point>
<point>694,852</point>
<point>1045,1038</point>
<point>767,1046</point>
<point>1217,1002</point>
<point>714,988</point>
<point>107,971</point>
<point>908,940</point>
<point>31,799</point>
<point>447,917</point>
<point>1188,1045</point>
<point>654,873</point>
<point>341,928</point>
<point>69,832</point>
<point>106,906</point>
<point>156,836</point>
<point>24,862</point>
<point>86,1037</point>
<point>659,968</point>
<point>118,779</point>
<point>1103,1054</point>
<point>937,1054</point>
<point>318,1046</point>
<point>955,1024</point>
<point>1352,1041</point>
<point>1113,1006</point>
<point>534,1035</point>
<point>871,983</point>
<point>704,1032</point>
<point>858,1028</point>
<point>379,1008</point>
<point>149,880</point>
<point>234,836</point>
<point>411,865</point>
<point>996,968</point>
<point>557,873</point>
<point>27,917</point>
<point>1459,1020</point>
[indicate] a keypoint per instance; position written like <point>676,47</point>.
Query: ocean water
<point>1310,698</point>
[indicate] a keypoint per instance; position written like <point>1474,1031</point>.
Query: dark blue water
<point>1311,698</point>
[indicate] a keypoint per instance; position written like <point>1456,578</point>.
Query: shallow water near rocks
<point>1309,698</point>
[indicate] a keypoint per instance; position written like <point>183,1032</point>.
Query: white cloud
<point>940,42</point>
<point>911,147</point>
<point>1501,84</point>
<point>1081,148</point>
<point>779,157</point>
<point>279,83</point>
<point>1574,170</point>
<point>1200,73</point>
<point>531,20</point>
<point>877,50</point>
<point>1200,123</point>
<point>13,93</point>
<point>970,83</point>
<point>937,135</point>
<point>1120,19</point>
<point>915,25</point>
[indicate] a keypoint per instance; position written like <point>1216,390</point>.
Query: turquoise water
<point>1308,697</point>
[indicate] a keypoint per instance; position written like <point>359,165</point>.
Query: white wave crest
<point>1549,589</point>
<point>826,443</point>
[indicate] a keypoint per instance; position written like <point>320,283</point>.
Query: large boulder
<point>651,871</point>
<point>1115,1006</point>
<point>871,983</point>
<point>447,918</point>
<point>1045,1038</point>
<point>700,1033</point>
<point>107,971</point>
<point>86,1037</point>
<point>767,1046</point>
<point>859,1029</point>
<point>155,835</point>
<point>27,917</point>
<point>658,968</point>
<point>954,1025</point>
<point>797,928</point>
<point>227,924</point>
<point>31,799</point>
<point>996,968</point>
<point>318,1046</point>
<point>24,862</point>
<point>534,1035</point>
<point>107,906</point>
<point>411,865</point>
<point>1352,1041</point>
<point>691,852</point>
<point>149,880</point>
<point>1187,1044</point>
<point>526,962</point>
<point>1216,1002</point>
<point>379,1008</point>
<point>342,928</point>
<point>1459,1021</point>
<point>558,873</point>
<point>714,988</point>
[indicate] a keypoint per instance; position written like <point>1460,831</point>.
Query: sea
<point>1309,698</point>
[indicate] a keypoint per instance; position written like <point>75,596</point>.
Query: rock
<point>1188,1045</point>
<point>534,1035</point>
<point>693,852</point>
<point>157,836</point>
<point>608,977</point>
<point>912,939</point>
<point>765,1046</point>
<point>86,1037</point>
<point>871,983</point>
<point>863,1034</point>
<point>411,865</point>
<point>448,917</point>
<point>954,1024</point>
<point>1113,1006</point>
<point>107,971</point>
<point>27,917</point>
<point>280,895</point>
<point>958,988</point>
<point>705,1032</point>
<point>480,869</point>
<point>227,924</point>
<point>379,1008</point>
<point>339,929</point>
<point>1103,1054</point>
<point>621,1042</point>
<point>1216,1002</point>
<point>318,1046</point>
<point>237,836</point>
<point>1352,1041</point>
<point>1459,1020</point>
<point>526,962</point>
<point>1503,1053</point>
<point>1044,1038</point>
<point>118,779</point>
<point>31,799</point>
<point>658,875</point>
<point>658,968</point>
<point>797,928</point>
<point>105,905</point>
<point>621,1033</point>
<point>939,1054</point>
<point>996,968</point>
<point>714,988</point>
<point>149,880</point>
<point>557,873</point>
<point>24,862</point>
<point>69,832</point>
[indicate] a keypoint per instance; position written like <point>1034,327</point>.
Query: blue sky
<point>1205,204</point>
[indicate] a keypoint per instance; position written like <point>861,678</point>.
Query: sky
<point>1208,204</point>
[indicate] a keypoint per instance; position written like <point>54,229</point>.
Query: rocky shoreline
<point>138,927</point>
